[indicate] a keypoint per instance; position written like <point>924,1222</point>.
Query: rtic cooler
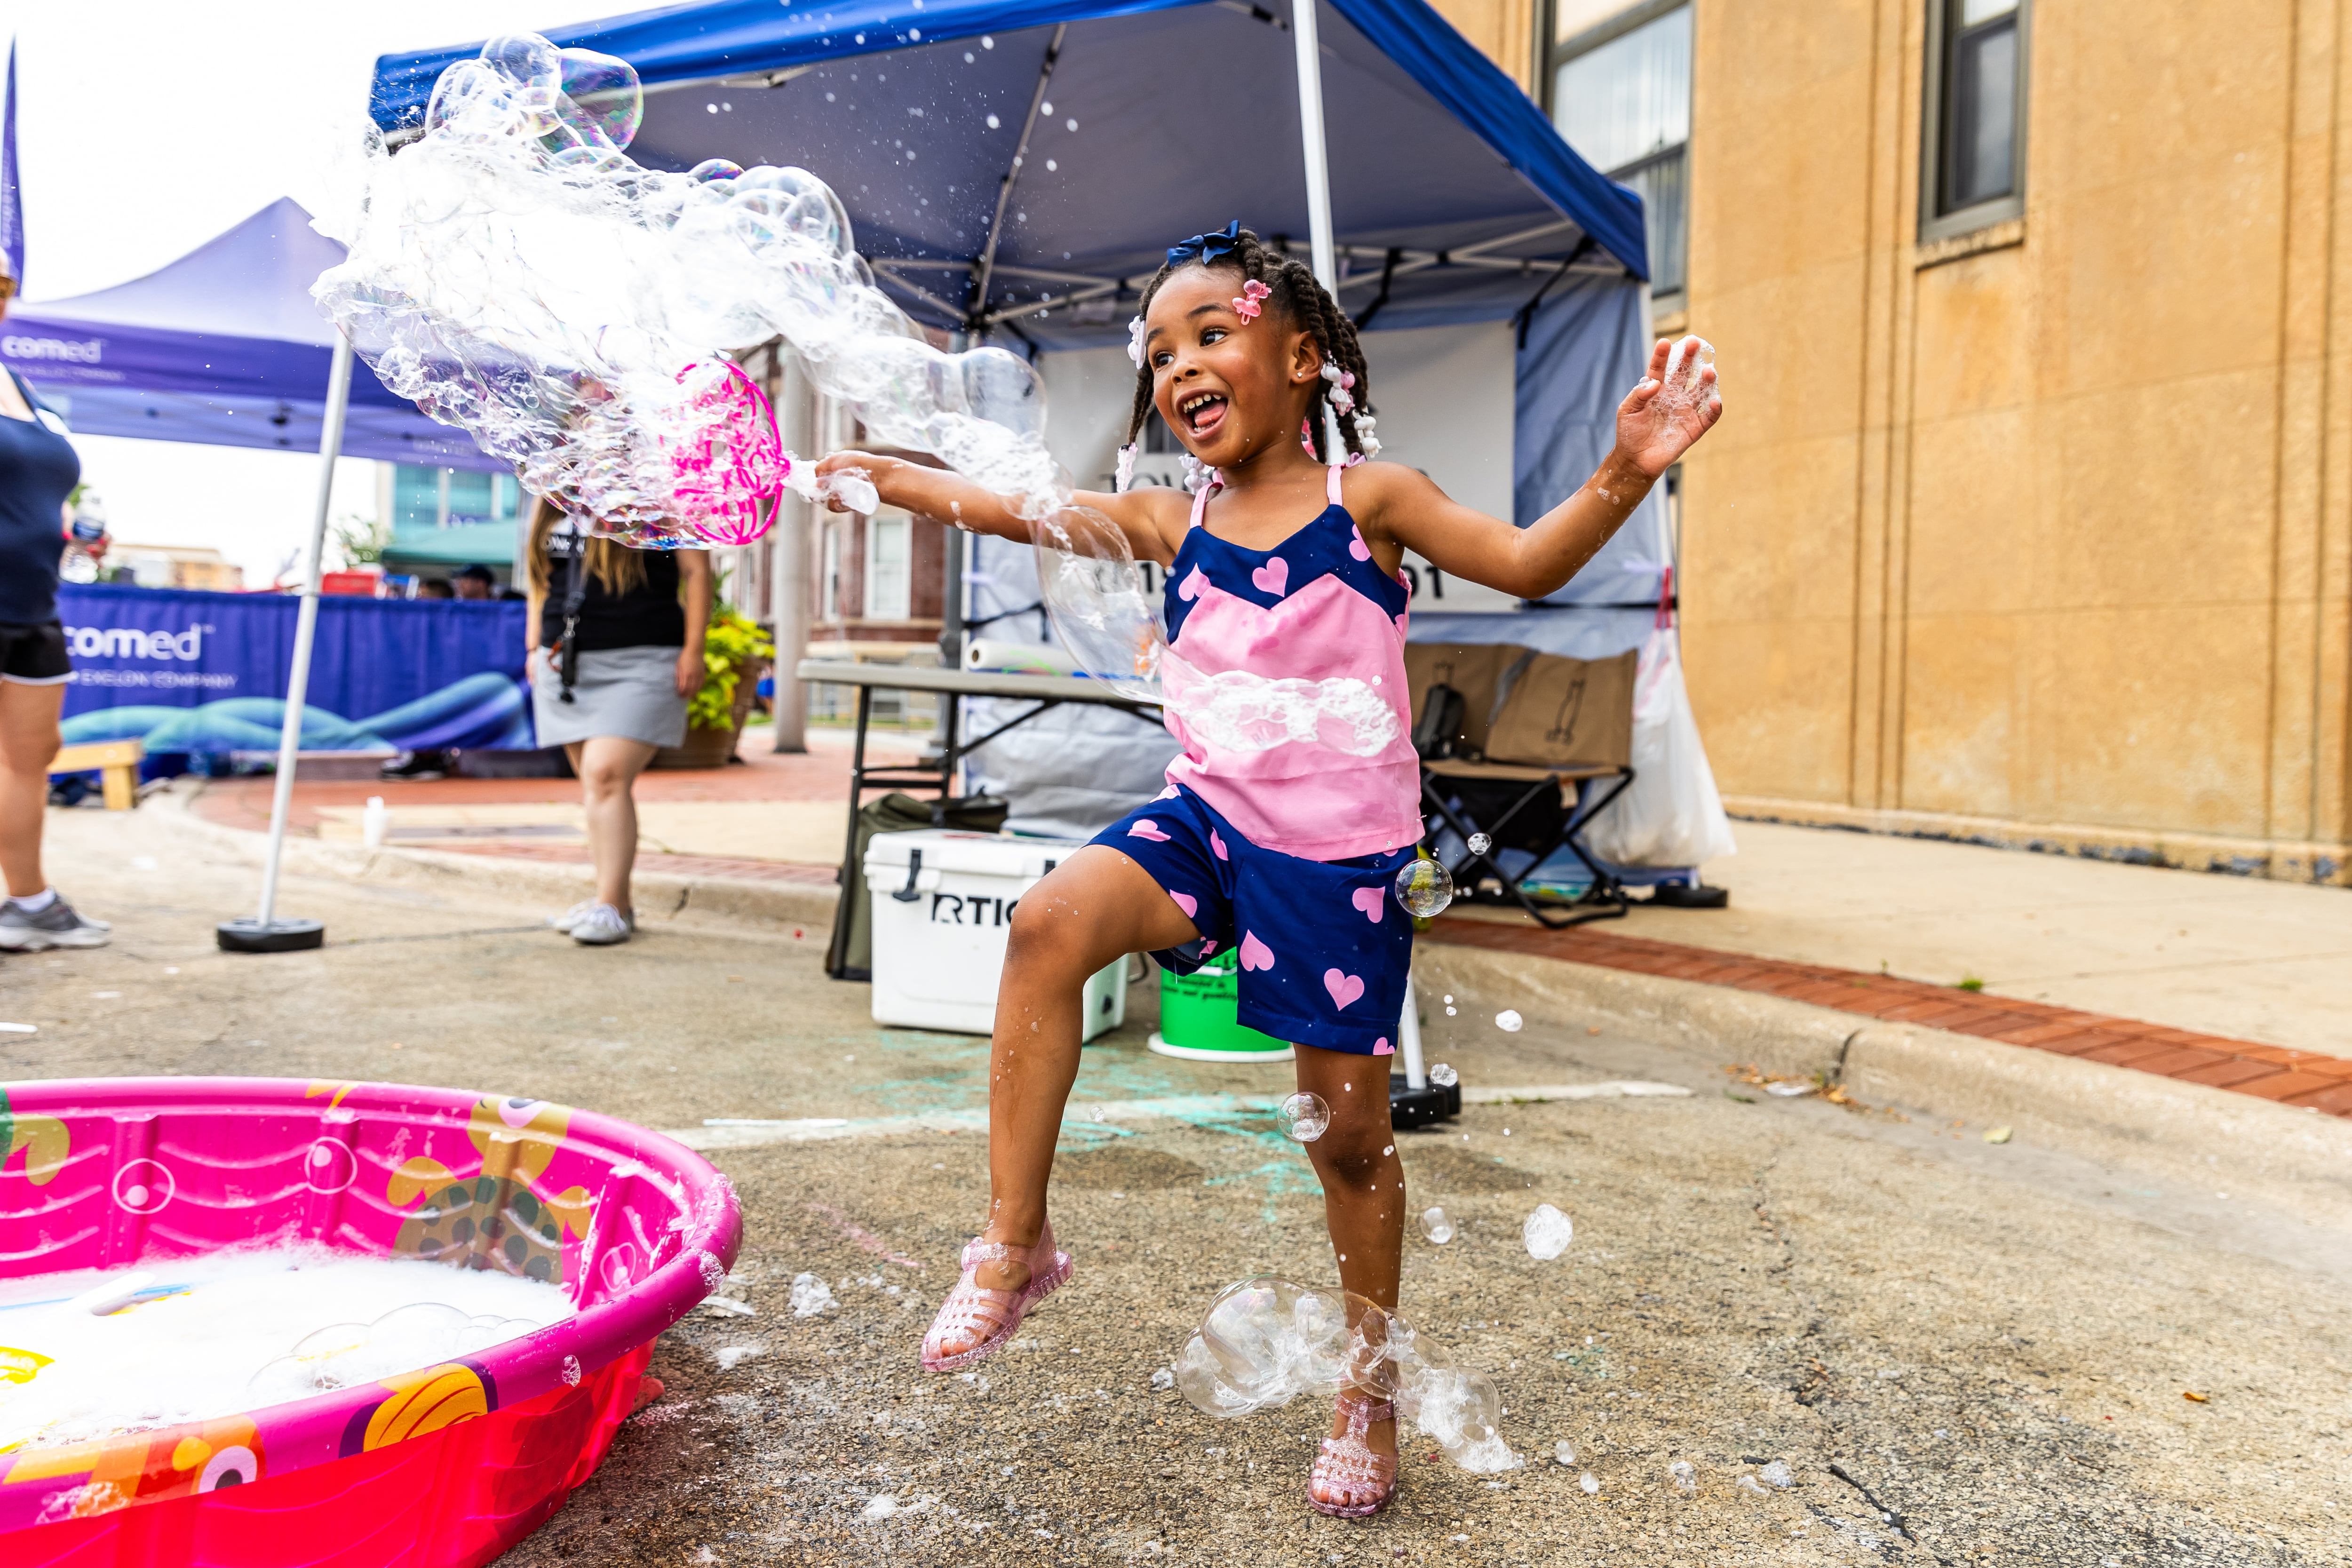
<point>943,903</point>
<point>1199,1018</point>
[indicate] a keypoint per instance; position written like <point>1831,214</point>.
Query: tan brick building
<point>2034,519</point>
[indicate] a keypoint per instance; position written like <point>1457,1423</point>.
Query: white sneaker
<point>602,926</point>
<point>572,916</point>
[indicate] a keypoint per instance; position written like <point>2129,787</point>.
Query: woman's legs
<point>1094,907</point>
<point>28,743</point>
<point>608,766</point>
<point>1363,1197</point>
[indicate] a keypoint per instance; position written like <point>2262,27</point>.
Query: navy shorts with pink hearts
<point>1325,947</point>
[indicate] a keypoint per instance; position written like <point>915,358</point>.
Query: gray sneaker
<point>22,931</point>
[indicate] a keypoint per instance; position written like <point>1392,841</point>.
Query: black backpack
<point>1442,711</point>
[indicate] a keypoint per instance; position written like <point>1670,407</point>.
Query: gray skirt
<point>629,692</point>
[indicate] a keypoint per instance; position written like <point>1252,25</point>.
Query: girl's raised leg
<point>1094,908</point>
<point>1363,1205</point>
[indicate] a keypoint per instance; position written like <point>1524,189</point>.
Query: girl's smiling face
<point>1230,387</point>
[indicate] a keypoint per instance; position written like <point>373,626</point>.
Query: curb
<point>2184,1132</point>
<point>687,902</point>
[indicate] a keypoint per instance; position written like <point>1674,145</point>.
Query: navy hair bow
<point>1207,247</point>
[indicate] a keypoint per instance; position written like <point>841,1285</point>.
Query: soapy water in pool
<point>1265,1341</point>
<point>90,1355</point>
<point>516,274</point>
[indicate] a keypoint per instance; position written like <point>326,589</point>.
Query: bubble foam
<point>1265,1341</point>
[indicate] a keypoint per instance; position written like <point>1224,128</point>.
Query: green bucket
<point>1198,1018</point>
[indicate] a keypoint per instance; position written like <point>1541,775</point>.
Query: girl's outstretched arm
<point>1148,523</point>
<point>1535,561</point>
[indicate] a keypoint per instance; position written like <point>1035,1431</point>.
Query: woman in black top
<point>618,692</point>
<point>38,470</point>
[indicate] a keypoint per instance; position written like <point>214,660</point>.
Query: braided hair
<point>1306,304</point>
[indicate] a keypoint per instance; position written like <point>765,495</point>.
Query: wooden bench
<point>117,763</point>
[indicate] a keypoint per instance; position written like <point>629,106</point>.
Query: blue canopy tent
<point>1014,169</point>
<point>1139,122</point>
<point>223,347</point>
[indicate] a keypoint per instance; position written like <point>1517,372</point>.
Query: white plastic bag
<point>1670,815</point>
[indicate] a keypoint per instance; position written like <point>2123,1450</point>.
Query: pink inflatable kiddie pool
<point>445,1466</point>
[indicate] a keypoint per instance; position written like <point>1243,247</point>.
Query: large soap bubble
<point>1265,1341</point>
<point>515,273</point>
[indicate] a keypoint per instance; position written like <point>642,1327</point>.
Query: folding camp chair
<point>1543,744</point>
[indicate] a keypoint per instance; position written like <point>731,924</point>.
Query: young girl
<point>1284,564</point>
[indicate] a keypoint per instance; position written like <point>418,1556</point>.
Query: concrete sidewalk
<point>2235,956</point>
<point>766,810</point>
<point>2241,958</point>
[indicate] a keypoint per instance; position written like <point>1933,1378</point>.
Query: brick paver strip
<point>2308,1079</point>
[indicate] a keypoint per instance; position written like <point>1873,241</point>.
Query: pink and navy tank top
<point>1315,607</point>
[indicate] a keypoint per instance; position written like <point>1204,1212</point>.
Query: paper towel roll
<point>1017,657</point>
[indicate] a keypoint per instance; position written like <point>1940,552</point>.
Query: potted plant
<point>734,652</point>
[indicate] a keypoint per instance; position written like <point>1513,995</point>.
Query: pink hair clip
<point>1247,307</point>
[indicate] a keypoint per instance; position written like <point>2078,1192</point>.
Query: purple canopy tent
<point>225,347</point>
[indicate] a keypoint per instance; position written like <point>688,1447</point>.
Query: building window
<point>889,582</point>
<point>831,573</point>
<point>449,497</point>
<point>1974,172</point>
<point>415,497</point>
<point>1617,83</point>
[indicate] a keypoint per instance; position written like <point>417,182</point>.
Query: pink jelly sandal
<point>971,1305</point>
<point>1348,1466</point>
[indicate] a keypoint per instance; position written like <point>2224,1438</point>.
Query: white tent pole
<point>795,401</point>
<point>306,625</point>
<point>1310,133</point>
<point>1408,1038</point>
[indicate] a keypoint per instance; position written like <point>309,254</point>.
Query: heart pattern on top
<point>1274,577</point>
<point>1344,988</point>
<point>1373,901</point>
<point>1185,901</point>
<point>1255,954</point>
<point>1194,580</point>
<point>1218,845</point>
<point>1144,827</point>
<point>1357,548</point>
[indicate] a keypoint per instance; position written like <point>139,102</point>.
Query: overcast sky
<point>144,129</point>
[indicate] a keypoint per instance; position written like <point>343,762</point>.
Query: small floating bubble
<point>1425,888</point>
<point>1509,1022</point>
<point>1443,1077</point>
<point>1303,1118</point>
<point>1437,1225</point>
<point>1480,844</point>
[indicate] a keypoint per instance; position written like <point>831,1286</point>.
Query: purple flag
<point>12,207</point>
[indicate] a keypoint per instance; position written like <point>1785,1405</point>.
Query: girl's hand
<point>880,470</point>
<point>690,671</point>
<point>1657,424</point>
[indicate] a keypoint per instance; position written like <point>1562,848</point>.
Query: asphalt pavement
<point>1960,1351</point>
